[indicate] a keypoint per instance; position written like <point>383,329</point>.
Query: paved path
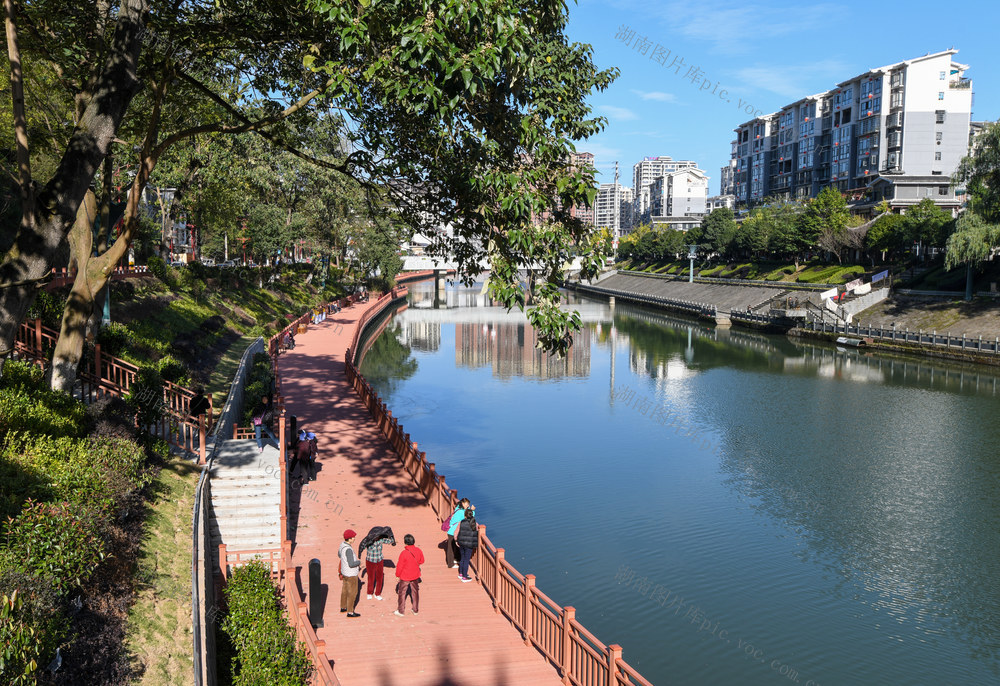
<point>458,639</point>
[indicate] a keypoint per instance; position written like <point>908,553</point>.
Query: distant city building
<point>512,350</point>
<point>610,196</point>
<point>894,133</point>
<point>717,201</point>
<point>674,223</point>
<point>648,170</point>
<point>679,193</point>
<point>583,160</point>
<point>727,174</point>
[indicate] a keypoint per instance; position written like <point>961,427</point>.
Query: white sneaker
<point>398,613</point>
<point>455,566</point>
<point>369,598</point>
<point>378,597</point>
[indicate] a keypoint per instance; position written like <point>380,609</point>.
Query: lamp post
<point>692,253</point>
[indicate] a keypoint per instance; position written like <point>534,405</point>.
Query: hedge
<point>267,652</point>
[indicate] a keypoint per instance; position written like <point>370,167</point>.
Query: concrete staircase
<point>246,496</point>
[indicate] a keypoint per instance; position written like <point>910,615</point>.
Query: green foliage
<point>980,172</point>
<point>718,229</point>
<point>825,219</point>
<point>172,369</point>
<point>49,308</point>
<point>31,623</point>
<point>21,374</point>
<point>158,268</point>
<point>40,410</point>
<point>260,382</point>
<point>114,337</point>
<point>145,395</point>
<point>888,232</point>
<point>59,542</point>
<point>928,223</point>
<point>266,649</point>
<point>972,242</point>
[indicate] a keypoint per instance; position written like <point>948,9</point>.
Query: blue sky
<point>756,55</point>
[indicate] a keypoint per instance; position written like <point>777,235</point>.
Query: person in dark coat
<point>468,540</point>
<point>304,452</point>
<point>199,403</point>
<point>375,562</point>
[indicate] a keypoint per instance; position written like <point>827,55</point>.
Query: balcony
<point>960,84</point>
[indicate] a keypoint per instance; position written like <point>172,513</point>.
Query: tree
<point>825,220</point>
<point>718,228</point>
<point>754,234</point>
<point>980,172</point>
<point>887,233</point>
<point>927,223</point>
<point>787,236</point>
<point>972,243</point>
<point>471,112</point>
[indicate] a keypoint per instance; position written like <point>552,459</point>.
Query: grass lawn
<point>159,621</point>
<point>222,375</point>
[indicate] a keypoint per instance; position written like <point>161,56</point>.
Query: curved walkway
<point>458,639</point>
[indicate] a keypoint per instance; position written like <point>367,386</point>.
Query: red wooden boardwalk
<point>458,639</point>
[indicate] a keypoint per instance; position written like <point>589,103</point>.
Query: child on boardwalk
<point>408,573</point>
<point>349,567</point>
<point>468,541</point>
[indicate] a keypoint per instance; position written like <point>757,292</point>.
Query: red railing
<point>107,375</point>
<point>579,656</point>
<point>64,277</point>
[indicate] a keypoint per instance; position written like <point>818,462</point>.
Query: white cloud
<point>658,96</point>
<point>733,26</point>
<point>792,81</point>
<point>619,113</point>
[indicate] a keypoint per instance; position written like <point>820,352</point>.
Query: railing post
<point>432,484</point>
<point>283,471</point>
<point>98,378</point>
<point>529,592</point>
<point>38,336</point>
<point>223,562</point>
<point>614,655</point>
<point>497,587</point>
<point>201,439</point>
<point>568,616</point>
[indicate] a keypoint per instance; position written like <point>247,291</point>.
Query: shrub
<point>21,374</point>
<point>42,411</point>
<point>31,623</point>
<point>111,417</point>
<point>114,337</point>
<point>266,649</point>
<point>172,369</point>
<point>145,395</point>
<point>49,308</point>
<point>59,542</point>
<point>158,268</point>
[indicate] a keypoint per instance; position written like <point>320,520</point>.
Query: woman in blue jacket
<point>451,549</point>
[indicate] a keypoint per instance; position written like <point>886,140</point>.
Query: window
<point>937,136</point>
<point>942,190</point>
<point>942,75</point>
<point>937,155</point>
<point>940,95</point>
<point>936,173</point>
<point>939,116</point>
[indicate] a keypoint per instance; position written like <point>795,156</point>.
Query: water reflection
<point>850,521</point>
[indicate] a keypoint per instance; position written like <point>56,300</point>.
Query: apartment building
<point>609,197</point>
<point>894,133</point>
<point>583,160</point>
<point>679,193</point>
<point>648,170</point>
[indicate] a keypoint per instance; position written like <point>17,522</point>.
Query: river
<point>729,507</point>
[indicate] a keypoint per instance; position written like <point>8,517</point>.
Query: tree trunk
<point>50,211</point>
<point>968,282</point>
<point>79,305</point>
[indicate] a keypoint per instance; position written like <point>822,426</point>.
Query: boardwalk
<point>458,639</point>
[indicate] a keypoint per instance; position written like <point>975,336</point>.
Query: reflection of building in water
<point>425,336</point>
<point>510,350</point>
<point>423,295</point>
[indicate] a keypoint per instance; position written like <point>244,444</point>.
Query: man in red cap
<point>350,565</point>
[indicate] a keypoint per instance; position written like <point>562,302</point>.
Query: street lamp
<point>692,253</point>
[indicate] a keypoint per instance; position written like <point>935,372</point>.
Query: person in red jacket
<point>408,572</point>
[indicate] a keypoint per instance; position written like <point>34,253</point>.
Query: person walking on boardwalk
<point>304,453</point>
<point>262,414</point>
<point>468,540</point>
<point>375,562</point>
<point>408,573</point>
<point>451,549</point>
<point>350,565</point>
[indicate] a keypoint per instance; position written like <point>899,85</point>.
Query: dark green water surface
<point>729,507</point>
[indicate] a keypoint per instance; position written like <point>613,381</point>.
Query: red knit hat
<point>349,534</point>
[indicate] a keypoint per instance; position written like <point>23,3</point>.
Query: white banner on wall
<point>864,288</point>
<point>826,295</point>
<point>850,286</point>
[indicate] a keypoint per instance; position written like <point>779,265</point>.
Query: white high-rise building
<point>894,133</point>
<point>646,171</point>
<point>612,196</point>
<point>679,193</point>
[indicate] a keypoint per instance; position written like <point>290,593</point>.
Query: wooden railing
<point>579,656</point>
<point>64,277</point>
<point>108,375</point>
